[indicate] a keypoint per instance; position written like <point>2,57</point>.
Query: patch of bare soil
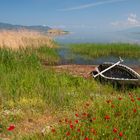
<point>80,70</point>
<point>75,70</point>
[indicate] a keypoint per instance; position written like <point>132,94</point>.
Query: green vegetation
<point>114,49</point>
<point>31,93</point>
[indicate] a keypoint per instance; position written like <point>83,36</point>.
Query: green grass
<point>113,49</point>
<point>28,90</point>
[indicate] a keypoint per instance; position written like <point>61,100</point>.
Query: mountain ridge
<point>8,26</point>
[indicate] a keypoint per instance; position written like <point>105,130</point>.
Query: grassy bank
<point>38,103</point>
<point>114,49</point>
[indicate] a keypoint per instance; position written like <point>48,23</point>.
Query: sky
<point>72,14</point>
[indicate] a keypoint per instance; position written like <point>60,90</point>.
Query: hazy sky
<point>72,14</point>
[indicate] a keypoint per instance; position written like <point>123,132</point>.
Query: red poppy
<point>11,127</point>
<point>120,134</point>
<point>107,117</point>
<point>53,130</point>
<point>77,115</point>
<point>120,98</point>
<point>94,119</point>
<point>108,101</point>
<point>112,106</point>
<point>76,121</point>
<point>86,138</point>
<point>132,100</point>
<point>115,139</point>
<point>84,114</point>
<point>71,126</point>
<point>138,99</point>
<point>68,133</point>
<point>134,110</point>
<point>115,130</point>
<point>78,130</point>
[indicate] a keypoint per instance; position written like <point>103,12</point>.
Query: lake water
<point>68,57</point>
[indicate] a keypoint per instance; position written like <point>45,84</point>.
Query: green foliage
<point>113,49</point>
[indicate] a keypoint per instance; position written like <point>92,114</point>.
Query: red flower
<point>11,127</point>
<point>115,130</point>
<point>71,126</point>
<point>68,133</point>
<point>132,100</point>
<point>94,119</point>
<point>86,138</point>
<point>76,115</point>
<point>84,114</point>
<point>115,139</point>
<point>108,101</point>
<point>112,106</point>
<point>76,121</point>
<point>78,130</point>
<point>134,110</point>
<point>53,130</point>
<point>120,134</point>
<point>138,99</point>
<point>107,117</point>
<point>120,98</point>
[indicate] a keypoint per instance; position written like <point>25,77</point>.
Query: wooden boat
<point>117,74</point>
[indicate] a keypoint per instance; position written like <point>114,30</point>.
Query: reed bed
<point>114,49</point>
<point>24,38</point>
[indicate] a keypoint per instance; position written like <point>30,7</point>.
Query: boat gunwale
<point>128,69</point>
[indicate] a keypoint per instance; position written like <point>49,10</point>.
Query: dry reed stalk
<point>24,38</point>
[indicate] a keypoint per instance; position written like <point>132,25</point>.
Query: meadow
<point>113,49</point>
<point>36,102</point>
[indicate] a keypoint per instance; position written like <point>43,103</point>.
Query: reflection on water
<point>91,37</point>
<point>67,57</point>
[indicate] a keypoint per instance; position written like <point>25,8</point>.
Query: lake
<point>68,57</point>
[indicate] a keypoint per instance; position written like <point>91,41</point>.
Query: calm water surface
<point>68,57</point>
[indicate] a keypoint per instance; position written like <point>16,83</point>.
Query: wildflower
<point>120,98</point>
<point>94,119</point>
<point>76,121</point>
<point>11,128</point>
<point>70,122</point>
<point>77,115</point>
<point>53,130</point>
<point>78,130</point>
<point>134,110</point>
<point>112,106</point>
<point>68,134</point>
<point>108,101</point>
<point>132,100</point>
<point>115,130</point>
<point>120,134</point>
<point>115,139</point>
<point>107,117</point>
<point>71,126</point>
<point>84,114</point>
<point>138,99</point>
<point>86,138</point>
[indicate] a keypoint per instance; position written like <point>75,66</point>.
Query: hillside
<point>39,28</point>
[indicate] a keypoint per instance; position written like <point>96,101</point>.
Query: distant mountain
<point>39,28</point>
